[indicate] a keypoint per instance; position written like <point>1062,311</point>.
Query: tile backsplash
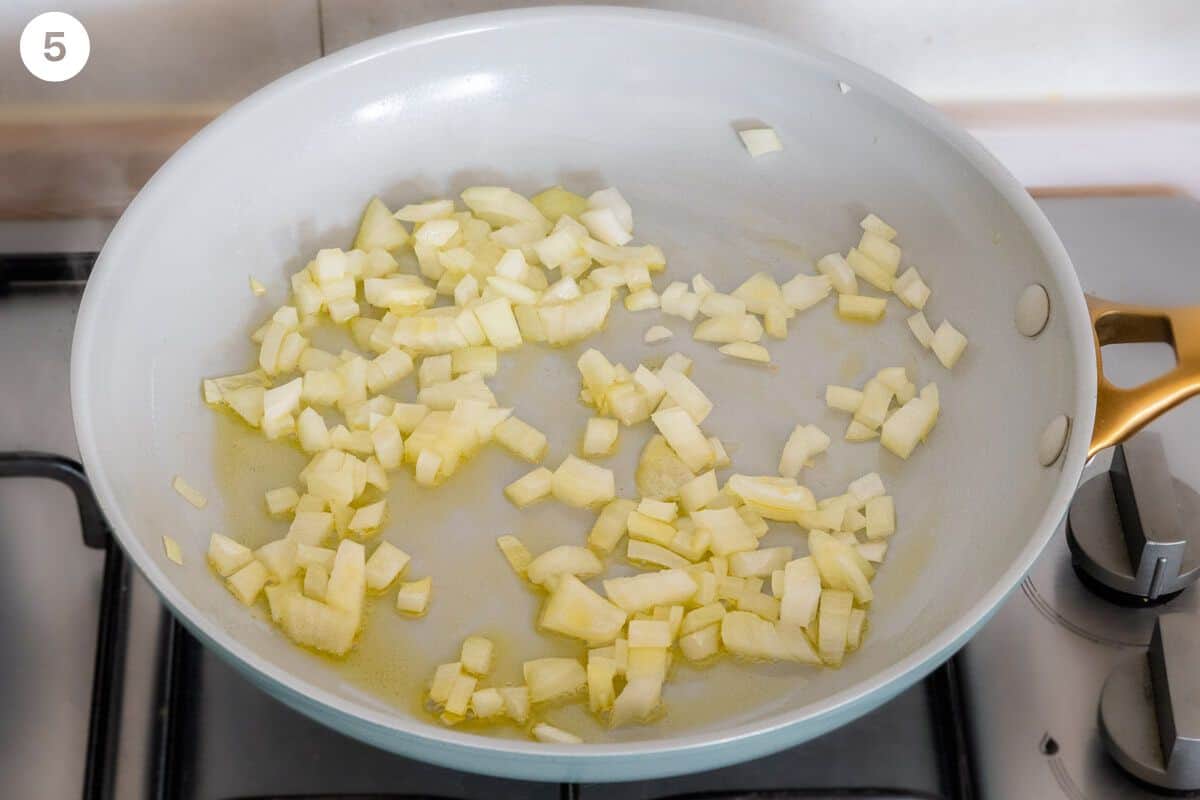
<point>217,51</point>
<point>164,52</point>
<point>1064,92</point>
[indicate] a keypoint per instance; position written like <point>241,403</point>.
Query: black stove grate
<point>100,760</point>
<point>181,652</point>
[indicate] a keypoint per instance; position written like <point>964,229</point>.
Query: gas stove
<point>102,689</point>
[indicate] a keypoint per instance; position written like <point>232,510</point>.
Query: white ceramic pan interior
<point>647,102</point>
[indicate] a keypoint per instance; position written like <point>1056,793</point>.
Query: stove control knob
<point>1150,708</point>
<point>1128,530</point>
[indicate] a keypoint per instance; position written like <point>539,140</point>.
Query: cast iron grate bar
<point>104,718</point>
<point>45,268</point>
<point>953,743</point>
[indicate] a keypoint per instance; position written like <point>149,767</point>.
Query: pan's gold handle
<point>1120,413</point>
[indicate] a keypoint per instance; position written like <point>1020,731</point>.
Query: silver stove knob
<point>1150,708</point>
<point>1128,529</point>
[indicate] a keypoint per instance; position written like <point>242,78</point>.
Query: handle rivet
<point>1054,439</point>
<point>1033,310</point>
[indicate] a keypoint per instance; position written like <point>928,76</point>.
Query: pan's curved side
<point>433,109</point>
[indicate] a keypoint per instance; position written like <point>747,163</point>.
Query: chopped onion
<point>545,732</point>
<point>172,551</point>
<point>858,308</point>
<point>832,624</point>
<point>642,300</point>
<point>602,223</point>
<point>760,141</point>
<point>747,351</point>
<point>843,398</point>
<point>878,227</point>
<point>805,291</point>
<point>553,678</point>
<point>866,268</point>
<point>517,555</point>
<point>880,250</point>
<point>642,592</point>
<point>530,488</point>
<point>581,484</point>
<point>188,493</point>
<point>575,610</point>
<point>948,344</point>
<point>920,329</point>
<point>805,442</point>
<point>727,328</point>
<point>611,198</point>
<point>911,289</point>
<point>413,597</point>
<point>657,333</point>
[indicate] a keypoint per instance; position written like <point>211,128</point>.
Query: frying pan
<point>647,102</point>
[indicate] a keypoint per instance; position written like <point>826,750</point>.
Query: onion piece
<point>600,436</point>
<point>759,293</point>
<point>500,206</point>
<point>227,556</point>
<point>522,439</point>
<point>611,198</point>
<point>423,212</point>
<point>643,592</point>
<point>172,551</point>
<point>805,291</point>
<point>545,732</point>
<point>877,397</point>
<point>553,678</point>
<point>805,442</point>
<point>657,333</point>
<point>858,432</point>
<point>529,488</point>
<point>581,484</point>
<point>878,227</point>
<point>575,610</point>
<point>869,270</point>
<point>601,673</point>
<point>880,250</point>
<point>187,492</point>
<point>920,329</point>
<point>843,398</point>
<point>385,565</point>
<point>747,351</point>
<point>247,582</point>
<point>642,300</point>
<point>686,394</point>
<point>378,230</point>
<point>881,517</point>
<point>611,525</point>
<point>413,597</point>
<point>602,223</point>
<point>556,202</point>
<point>859,308</point>
<point>911,289</point>
<point>948,344</point>
<point>653,555</point>
<point>833,621</point>
<point>727,328</point>
<point>684,437</point>
<point>760,141</point>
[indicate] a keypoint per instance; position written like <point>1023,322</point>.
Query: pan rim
<point>634,759</point>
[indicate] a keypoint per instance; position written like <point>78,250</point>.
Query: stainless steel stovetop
<point>1013,716</point>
